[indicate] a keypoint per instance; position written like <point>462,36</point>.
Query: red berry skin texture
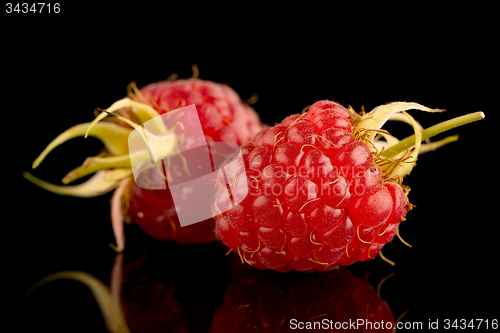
<point>319,199</point>
<point>287,156</point>
<point>272,302</point>
<point>399,209</point>
<point>298,191</point>
<point>224,118</point>
<point>355,156</point>
<point>373,208</point>
<point>153,211</point>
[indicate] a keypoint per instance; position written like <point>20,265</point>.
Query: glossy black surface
<point>55,79</point>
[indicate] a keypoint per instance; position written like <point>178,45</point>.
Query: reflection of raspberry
<point>156,299</point>
<point>266,302</point>
<point>318,199</point>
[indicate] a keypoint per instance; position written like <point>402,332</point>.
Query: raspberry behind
<point>224,118</point>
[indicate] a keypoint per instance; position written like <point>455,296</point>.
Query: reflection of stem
<point>382,282</point>
<point>117,280</point>
<point>112,312</point>
<point>433,130</point>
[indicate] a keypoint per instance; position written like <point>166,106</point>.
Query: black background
<point>56,70</point>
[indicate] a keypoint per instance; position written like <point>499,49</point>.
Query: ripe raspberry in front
<point>322,194</point>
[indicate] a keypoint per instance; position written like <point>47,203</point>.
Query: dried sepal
<point>117,214</point>
<point>143,112</point>
<point>113,136</point>
<point>397,157</point>
<point>375,119</point>
<point>100,183</point>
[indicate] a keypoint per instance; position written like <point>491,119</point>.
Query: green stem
<point>433,130</point>
<point>437,144</point>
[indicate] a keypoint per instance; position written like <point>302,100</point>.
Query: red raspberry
<point>281,303</point>
<point>224,118</point>
<point>323,194</point>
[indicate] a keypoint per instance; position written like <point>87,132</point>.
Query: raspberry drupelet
<point>323,189</point>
